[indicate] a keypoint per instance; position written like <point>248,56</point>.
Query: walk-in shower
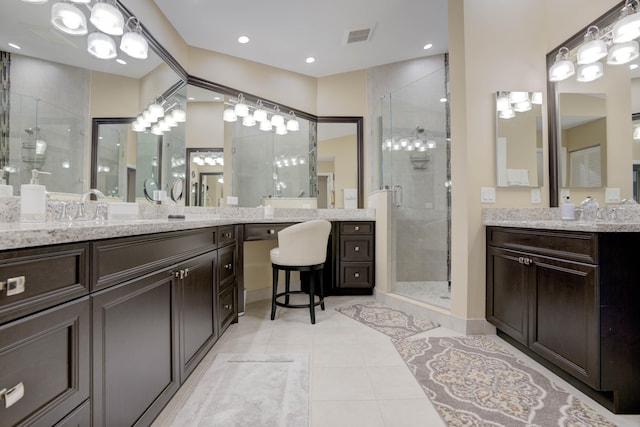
<point>414,165</point>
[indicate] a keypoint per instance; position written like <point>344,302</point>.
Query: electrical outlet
<point>612,195</point>
<point>564,193</point>
<point>487,195</point>
<point>535,195</point>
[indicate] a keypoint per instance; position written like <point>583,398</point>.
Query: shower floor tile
<point>436,293</point>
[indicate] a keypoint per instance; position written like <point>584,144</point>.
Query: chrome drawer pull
<point>12,395</point>
<point>228,266</point>
<point>186,272</point>
<point>227,306</point>
<point>357,249</point>
<point>357,228</point>
<point>356,275</point>
<point>227,235</point>
<point>271,231</point>
<point>14,285</point>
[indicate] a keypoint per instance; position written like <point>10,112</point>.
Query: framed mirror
<point>612,86</point>
<point>519,139</point>
<point>205,177</point>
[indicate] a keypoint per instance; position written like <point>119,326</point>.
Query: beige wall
<point>344,151</point>
<point>205,128</point>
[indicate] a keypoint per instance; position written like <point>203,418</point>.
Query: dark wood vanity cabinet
<point>354,246</point>
<point>570,298</point>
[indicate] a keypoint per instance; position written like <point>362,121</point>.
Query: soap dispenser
<point>5,190</point>
<point>33,199</point>
<point>568,210</point>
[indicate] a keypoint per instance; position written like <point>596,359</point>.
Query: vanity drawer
<point>48,276</point>
<point>118,260</point>
<point>356,275</point>
<point>45,358</point>
<point>226,307</point>
<point>356,248</point>
<point>226,235</point>
<point>226,265</point>
<point>264,231</point>
<point>356,227</point>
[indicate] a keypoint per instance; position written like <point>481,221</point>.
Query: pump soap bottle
<point>568,210</point>
<point>5,190</point>
<point>33,199</point>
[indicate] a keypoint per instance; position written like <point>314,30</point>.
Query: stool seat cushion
<point>274,254</point>
<point>302,244</point>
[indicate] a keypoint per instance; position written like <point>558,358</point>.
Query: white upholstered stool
<point>301,247</point>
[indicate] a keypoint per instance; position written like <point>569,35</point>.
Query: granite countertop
<point>627,219</point>
<point>14,235</point>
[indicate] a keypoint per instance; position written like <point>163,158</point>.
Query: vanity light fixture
<point>249,120</point>
<point>101,46</point>
<point>229,115</point>
<point>241,108</point>
<point>502,102</point>
<point>277,119</point>
<point>155,129</point>
<point>636,132</point>
<point>517,97</point>
<point>563,68</point>
<point>431,144</point>
<point>593,47</point>
<point>138,126</point>
<point>509,113</point>
<point>522,106</point>
<point>69,19</point>
<point>590,72</point>
<point>156,110</point>
<point>260,114</point>
<point>281,130</point>
<point>164,126</point>
<point>266,125</point>
<point>628,27</point>
<point>292,124</point>
<point>178,113</point>
<point>536,98</point>
<point>148,117</point>
<point>107,18</point>
<point>133,42</point>
<point>623,53</point>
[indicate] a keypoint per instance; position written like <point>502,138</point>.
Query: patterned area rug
<point>252,390</point>
<point>473,381</point>
<point>391,322</point>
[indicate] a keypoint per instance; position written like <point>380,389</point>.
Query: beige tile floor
<point>357,376</point>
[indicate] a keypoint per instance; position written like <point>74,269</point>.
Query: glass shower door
<point>415,167</point>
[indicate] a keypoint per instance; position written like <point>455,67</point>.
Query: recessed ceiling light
<point>191,98</point>
<point>633,66</point>
<point>121,61</point>
<point>443,99</point>
<point>217,98</point>
<point>15,46</point>
<point>243,39</point>
<point>427,46</point>
<point>310,60</point>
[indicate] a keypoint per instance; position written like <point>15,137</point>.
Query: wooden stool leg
<point>275,291</point>
<point>287,281</point>
<point>312,306</point>
<point>321,289</point>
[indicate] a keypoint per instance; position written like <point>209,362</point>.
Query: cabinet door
<point>507,292</point>
<point>197,302</point>
<point>135,351</point>
<point>44,361</point>
<point>564,317</point>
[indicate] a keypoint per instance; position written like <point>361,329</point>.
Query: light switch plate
<point>487,194</point>
<point>612,195</point>
<point>535,195</point>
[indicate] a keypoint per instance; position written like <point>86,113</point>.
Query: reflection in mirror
<point>113,149</point>
<point>582,140</point>
<point>202,189</point>
<point>177,190</point>
<point>337,153</point>
<point>519,139</point>
<point>151,192</point>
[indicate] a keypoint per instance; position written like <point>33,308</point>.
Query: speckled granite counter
<point>628,219</point>
<point>15,235</point>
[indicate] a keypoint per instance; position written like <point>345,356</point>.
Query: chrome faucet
<point>88,193</point>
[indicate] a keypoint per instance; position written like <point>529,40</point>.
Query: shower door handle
<point>397,196</point>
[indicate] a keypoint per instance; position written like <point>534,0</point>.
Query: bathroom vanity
<point>101,324</point>
<point>567,294</point>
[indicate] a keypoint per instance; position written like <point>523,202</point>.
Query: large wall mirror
<point>52,90</point>
<point>519,139</point>
<point>591,143</point>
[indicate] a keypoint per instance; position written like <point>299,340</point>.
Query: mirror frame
<point>188,152</point>
<point>553,121</point>
<point>95,132</point>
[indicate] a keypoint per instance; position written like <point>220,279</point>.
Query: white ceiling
<point>285,32</point>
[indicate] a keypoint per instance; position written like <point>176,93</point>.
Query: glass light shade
<point>248,120</point>
<point>209,160</point>
<point>502,103</point>
<point>410,148</point>
<point>589,72</point>
<point>68,19</point>
<point>241,109</point>
<point>623,53</point>
<point>135,45</point>
<point>636,132</point>
<point>156,110</point>
<point>281,130</point>
<point>591,51</point>
<point>509,113</point>
<point>417,142</point>
<point>521,107</point>
<point>179,115</point>
<point>404,142</point>
<point>266,125</point>
<point>101,46</point>
<point>164,126</point>
<point>168,118</point>
<point>536,98</point>
<point>627,28</point>
<point>107,18</point>
<point>148,117</point>
<point>431,144</point>
<point>277,120</point>
<point>561,70</point>
<point>515,97</point>
<point>198,160</point>
<point>155,129</point>
<point>142,121</point>
<point>137,126</point>
<point>229,115</point>
<point>293,125</point>
<point>41,147</point>
<point>260,114</point>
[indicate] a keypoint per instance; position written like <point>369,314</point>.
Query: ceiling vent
<point>359,35</point>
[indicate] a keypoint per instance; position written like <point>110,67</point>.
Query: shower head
<point>31,130</point>
<point>419,129</point>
